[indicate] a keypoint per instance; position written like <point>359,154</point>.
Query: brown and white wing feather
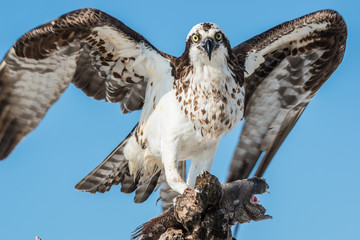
<point>98,53</point>
<point>284,68</point>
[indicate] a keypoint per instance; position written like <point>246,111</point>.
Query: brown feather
<point>76,48</point>
<point>277,143</point>
<point>144,190</point>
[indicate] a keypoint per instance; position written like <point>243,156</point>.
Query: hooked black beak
<point>208,46</point>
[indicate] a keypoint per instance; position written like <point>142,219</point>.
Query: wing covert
<point>284,68</point>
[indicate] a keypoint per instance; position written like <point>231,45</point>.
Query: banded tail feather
<point>112,171</point>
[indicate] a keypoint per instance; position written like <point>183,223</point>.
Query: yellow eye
<point>195,38</point>
<point>218,36</point>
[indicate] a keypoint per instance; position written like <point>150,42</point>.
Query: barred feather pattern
<point>112,171</point>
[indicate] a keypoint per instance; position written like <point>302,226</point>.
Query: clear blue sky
<point>314,178</point>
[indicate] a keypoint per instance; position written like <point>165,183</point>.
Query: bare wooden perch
<point>208,210</point>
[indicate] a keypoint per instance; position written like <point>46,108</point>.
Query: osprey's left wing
<point>95,51</point>
<point>284,68</point>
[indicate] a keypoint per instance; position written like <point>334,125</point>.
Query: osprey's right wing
<point>95,51</point>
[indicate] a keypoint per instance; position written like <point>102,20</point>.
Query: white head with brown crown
<point>207,44</point>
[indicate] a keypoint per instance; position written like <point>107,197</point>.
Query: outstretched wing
<point>96,52</point>
<point>284,68</point>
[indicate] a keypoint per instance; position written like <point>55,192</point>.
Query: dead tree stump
<point>208,210</point>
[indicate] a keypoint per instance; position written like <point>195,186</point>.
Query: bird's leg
<point>200,163</point>
<point>198,166</point>
<point>169,159</point>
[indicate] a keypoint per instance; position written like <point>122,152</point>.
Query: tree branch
<point>208,210</point>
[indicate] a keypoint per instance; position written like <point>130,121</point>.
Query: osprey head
<point>206,42</point>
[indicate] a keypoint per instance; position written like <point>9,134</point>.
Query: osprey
<point>187,103</point>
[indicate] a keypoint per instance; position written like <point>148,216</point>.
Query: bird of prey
<point>187,103</point>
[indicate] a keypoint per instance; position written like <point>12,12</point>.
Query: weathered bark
<point>208,210</point>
